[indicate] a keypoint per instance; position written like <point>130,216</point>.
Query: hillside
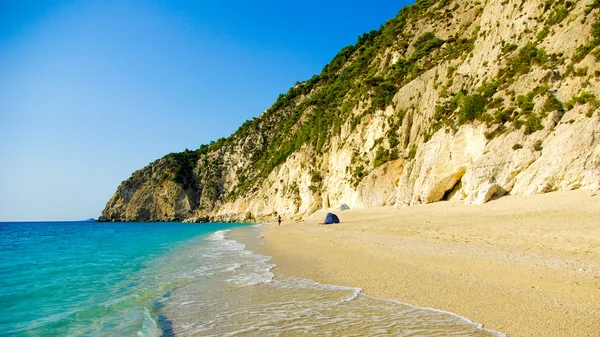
<point>448,100</point>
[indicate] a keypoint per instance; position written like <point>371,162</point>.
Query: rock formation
<point>450,99</point>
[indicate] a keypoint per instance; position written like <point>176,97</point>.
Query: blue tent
<point>331,218</point>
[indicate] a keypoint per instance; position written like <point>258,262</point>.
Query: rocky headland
<point>449,100</point>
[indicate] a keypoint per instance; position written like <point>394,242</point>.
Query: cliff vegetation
<point>450,99</point>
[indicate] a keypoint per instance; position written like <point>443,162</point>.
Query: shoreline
<point>521,265</point>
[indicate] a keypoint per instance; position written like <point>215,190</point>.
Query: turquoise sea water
<point>86,278</point>
<point>173,279</point>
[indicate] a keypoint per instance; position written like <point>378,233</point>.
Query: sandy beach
<point>522,265</point>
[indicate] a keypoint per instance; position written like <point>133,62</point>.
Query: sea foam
<point>245,298</point>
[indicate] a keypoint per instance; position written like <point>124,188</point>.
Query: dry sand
<point>523,265</point>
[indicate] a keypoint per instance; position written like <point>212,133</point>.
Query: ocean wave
<point>149,327</point>
<point>245,298</point>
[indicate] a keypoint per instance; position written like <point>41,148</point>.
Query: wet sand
<point>523,265</point>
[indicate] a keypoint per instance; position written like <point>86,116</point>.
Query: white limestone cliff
<point>474,161</point>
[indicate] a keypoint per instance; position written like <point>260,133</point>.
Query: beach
<point>522,265</point>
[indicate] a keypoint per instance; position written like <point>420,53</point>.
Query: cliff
<point>448,100</point>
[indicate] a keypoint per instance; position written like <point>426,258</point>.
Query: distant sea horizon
<point>74,278</point>
<point>47,221</point>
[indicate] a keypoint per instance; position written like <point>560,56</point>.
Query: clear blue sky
<point>91,91</point>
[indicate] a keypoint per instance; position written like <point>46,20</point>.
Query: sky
<point>91,91</point>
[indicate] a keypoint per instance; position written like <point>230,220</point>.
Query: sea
<point>175,279</point>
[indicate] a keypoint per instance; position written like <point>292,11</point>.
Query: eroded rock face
<point>150,196</point>
<point>566,159</point>
<point>569,159</point>
<point>380,187</point>
<point>441,165</point>
<point>438,157</point>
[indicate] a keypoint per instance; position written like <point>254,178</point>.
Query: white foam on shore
<point>149,327</point>
<point>355,295</point>
<point>466,320</point>
<point>246,298</point>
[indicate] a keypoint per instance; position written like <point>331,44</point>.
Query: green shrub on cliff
<point>381,157</point>
<point>383,94</point>
<point>488,89</point>
<point>552,104</point>
<point>560,13</point>
<point>181,166</point>
<point>533,124</point>
<point>425,44</point>
<point>582,51</point>
<point>528,55</point>
<point>589,8</point>
<point>521,64</point>
<point>393,138</point>
<point>412,152</point>
<point>526,103</point>
<point>471,107</point>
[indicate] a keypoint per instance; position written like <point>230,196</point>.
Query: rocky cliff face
<point>449,100</point>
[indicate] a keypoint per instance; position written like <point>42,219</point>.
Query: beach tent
<point>331,218</point>
<point>344,207</point>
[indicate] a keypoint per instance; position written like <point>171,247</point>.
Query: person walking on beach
<point>279,219</point>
